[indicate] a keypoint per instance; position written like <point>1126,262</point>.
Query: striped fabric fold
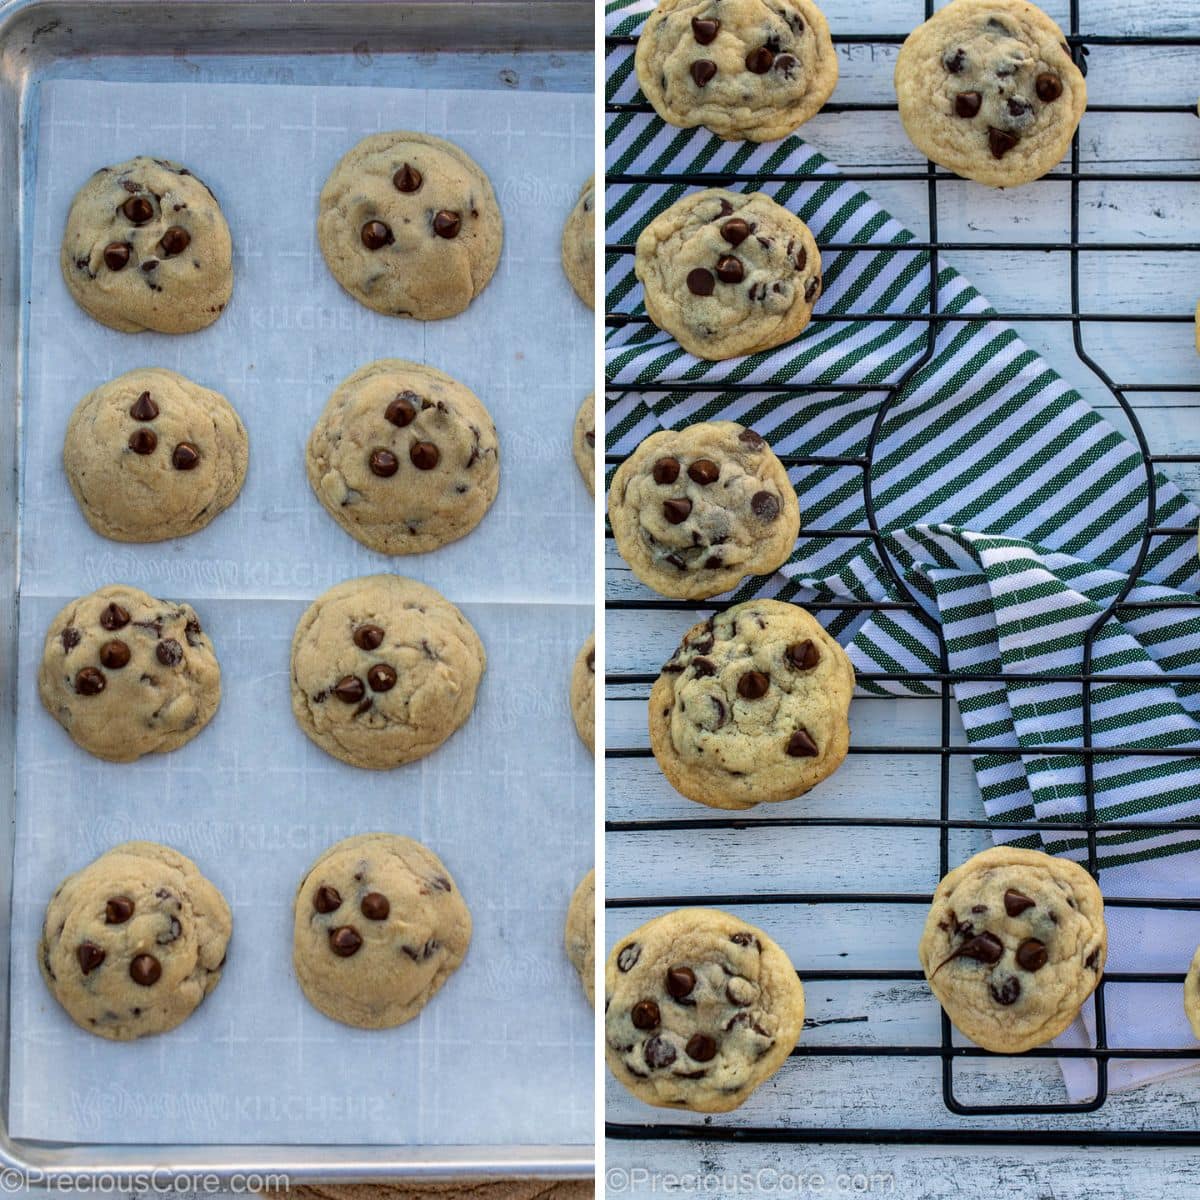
<point>1011,513</point>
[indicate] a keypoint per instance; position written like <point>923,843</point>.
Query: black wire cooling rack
<point>979,1132</point>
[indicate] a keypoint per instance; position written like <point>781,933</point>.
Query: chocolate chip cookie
<point>409,225</point>
<point>744,69</point>
<point>727,274</point>
<point>583,693</point>
<point>583,442</point>
<point>696,510</point>
<point>1191,995</point>
<point>700,1009</point>
<point>404,458</point>
<point>151,455</point>
<point>753,707</point>
<point>125,674</point>
<point>987,89</point>
<point>384,670</point>
<point>1014,944</point>
<point>579,245</point>
<point>147,247</point>
<point>134,942</point>
<point>580,935</point>
<point>379,926</point>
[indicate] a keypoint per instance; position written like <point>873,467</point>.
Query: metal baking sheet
<point>461,1089</point>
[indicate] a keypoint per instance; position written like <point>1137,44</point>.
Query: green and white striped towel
<point>1012,510</point>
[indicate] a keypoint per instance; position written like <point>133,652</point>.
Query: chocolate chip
<point>344,941</point>
<point>735,231</point>
<point>143,441</point>
<point>1008,991</point>
<point>759,61</point>
<point>114,617</point>
<point>403,409</point>
<point>702,70</point>
<point>407,179</point>
<point>812,288</point>
<point>375,906</point>
<point>185,457</point>
<point>802,259</point>
<point>116,255</point>
<point>645,1015</point>
<point>701,1047</point>
<point>705,30</point>
<point>729,269</point>
<point>1031,954</point>
<point>175,241</point>
<point>984,948</point>
<point>659,1052</point>
<point>704,471</point>
<point>151,264</point>
<point>680,981</point>
<point>145,970</point>
<point>70,638</point>
<point>677,511</point>
<point>138,209</point>
<point>381,677</point>
<point>1000,141</point>
<point>765,506</point>
<point>376,235</point>
<point>743,938</point>
<point>90,682</point>
<point>90,956</point>
<point>785,64</point>
<point>1049,88</point>
<point>1018,107</point>
<point>349,689</point>
<point>628,956</point>
<point>144,408</point>
<point>446,224</point>
<point>368,637</point>
<point>1015,903</point>
<point>666,471</point>
<point>169,652</point>
<point>591,661</point>
<point>700,282</point>
<point>800,745</point>
<point>754,440</point>
<point>114,655</point>
<point>955,63</point>
<point>968,104</point>
<point>327,899</point>
<point>1093,959</point>
<point>424,455</point>
<point>118,910</point>
<point>383,462</point>
<point>803,656</point>
<point>719,709</point>
<point>754,685</point>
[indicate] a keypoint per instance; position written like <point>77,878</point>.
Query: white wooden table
<point>900,1093</point>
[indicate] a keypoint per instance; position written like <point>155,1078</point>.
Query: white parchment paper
<point>504,1053</point>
